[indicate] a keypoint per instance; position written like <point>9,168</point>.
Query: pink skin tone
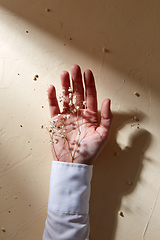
<point>85,136</point>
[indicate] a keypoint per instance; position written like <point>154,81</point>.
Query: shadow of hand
<point>115,176</point>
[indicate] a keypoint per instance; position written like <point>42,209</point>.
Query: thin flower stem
<point>55,153</point>
<point>69,149</point>
<point>79,133</point>
<point>54,147</point>
<point>67,141</point>
<point>77,143</point>
<point>78,124</point>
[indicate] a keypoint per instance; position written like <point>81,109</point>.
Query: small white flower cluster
<point>57,128</point>
<point>72,99</point>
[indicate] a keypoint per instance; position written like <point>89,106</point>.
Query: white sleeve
<point>68,204</point>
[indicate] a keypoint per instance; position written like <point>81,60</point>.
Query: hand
<point>75,133</point>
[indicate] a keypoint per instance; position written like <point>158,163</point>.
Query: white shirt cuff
<point>70,188</point>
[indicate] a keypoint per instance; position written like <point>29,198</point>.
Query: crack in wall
<point>150,217</point>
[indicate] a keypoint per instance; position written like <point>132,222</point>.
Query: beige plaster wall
<point>125,200</point>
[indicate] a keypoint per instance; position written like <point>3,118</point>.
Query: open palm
<point>76,135</point>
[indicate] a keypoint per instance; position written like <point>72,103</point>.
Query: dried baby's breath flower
<point>74,99</point>
<point>70,89</point>
<point>36,77</point>
<point>136,119</point>
<point>137,94</point>
<point>3,229</point>
<point>53,142</point>
<point>121,213</point>
<point>105,50</point>
<point>58,127</point>
<point>60,98</point>
<point>70,103</point>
